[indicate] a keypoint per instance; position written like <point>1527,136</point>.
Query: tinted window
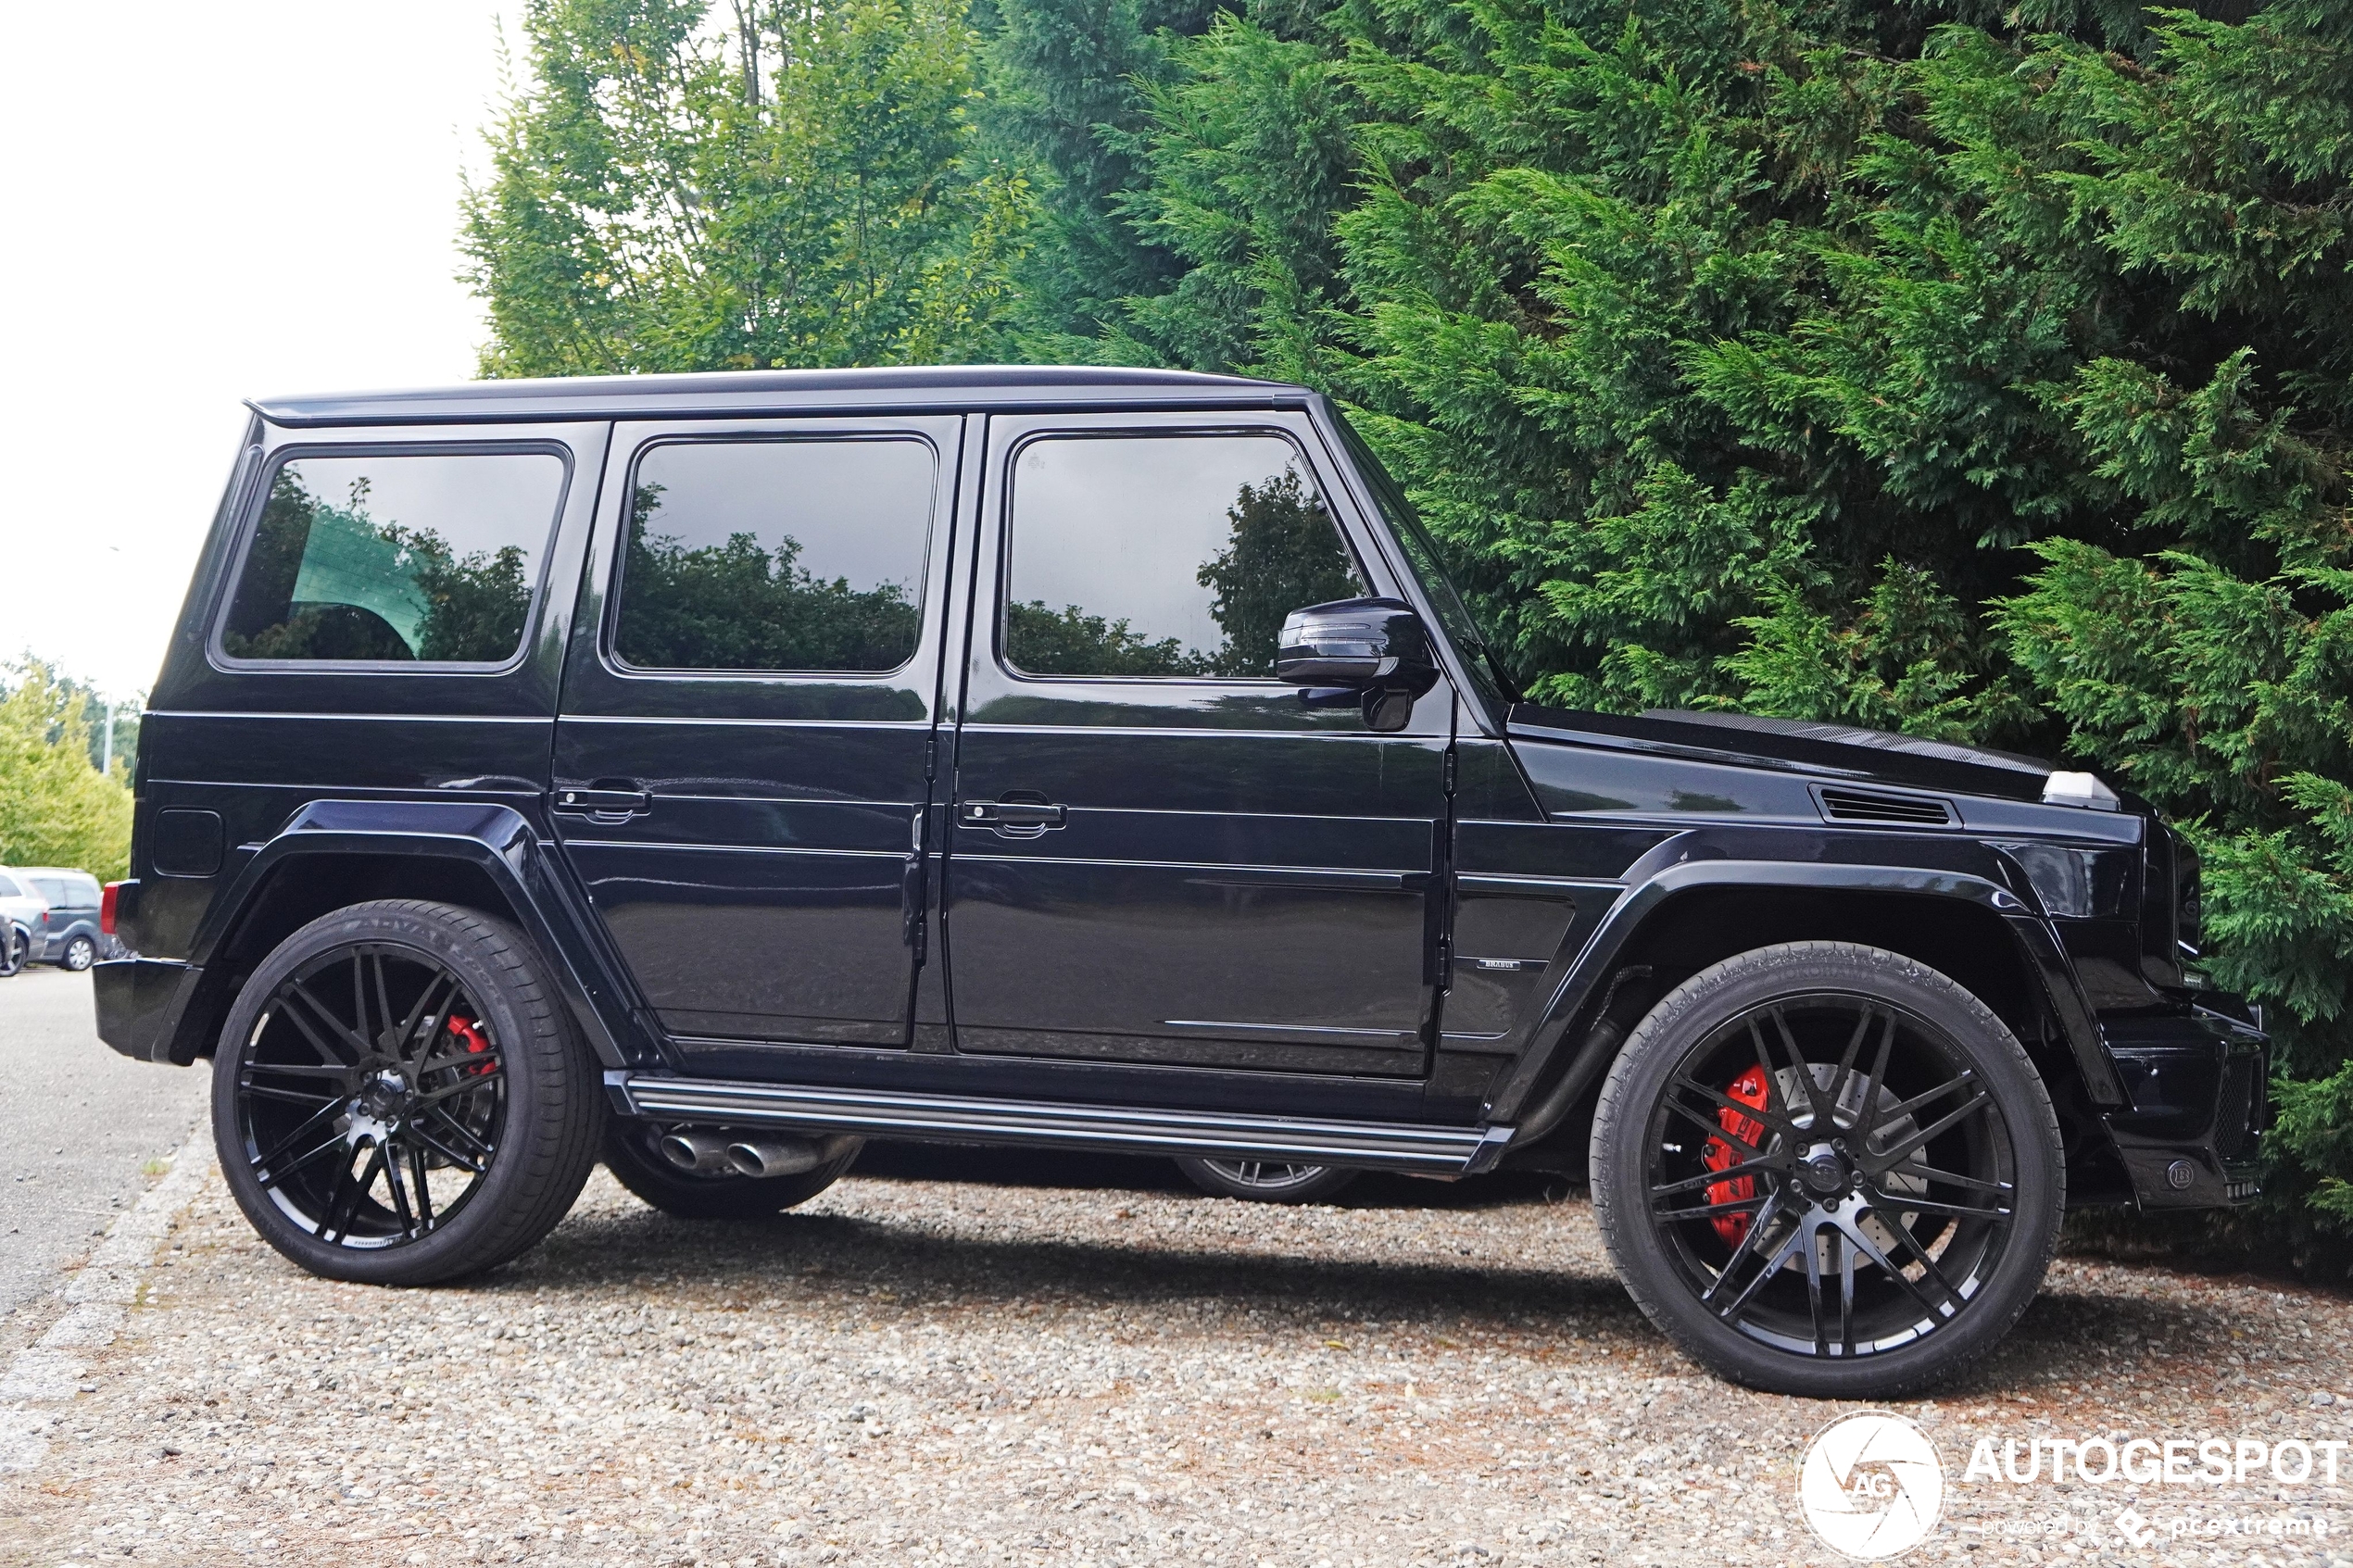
<point>397,558</point>
<point>776,556</point>
<point>1144,556</point>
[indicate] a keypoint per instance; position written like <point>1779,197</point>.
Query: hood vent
<point>1864,806</point>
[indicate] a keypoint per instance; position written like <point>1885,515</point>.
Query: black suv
<point>706,773</point>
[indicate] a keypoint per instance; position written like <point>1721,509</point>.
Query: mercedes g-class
<point>707,773</point>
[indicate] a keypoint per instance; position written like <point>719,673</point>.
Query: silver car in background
<point>61,913</point>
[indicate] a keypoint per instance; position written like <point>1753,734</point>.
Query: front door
<point>742,757</point>
<point>1159,853</point>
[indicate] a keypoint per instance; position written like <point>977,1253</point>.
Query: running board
<point>1455,1151</point>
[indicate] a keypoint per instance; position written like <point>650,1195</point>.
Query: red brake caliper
<point>469,1031</point>
<point>1749,1090</point>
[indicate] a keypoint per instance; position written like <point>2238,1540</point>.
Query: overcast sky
<point>206,204</point>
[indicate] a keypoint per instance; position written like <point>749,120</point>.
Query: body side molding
<point>1111,1128</point>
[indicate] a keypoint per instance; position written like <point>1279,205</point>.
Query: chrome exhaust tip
<point>703,1153</point>
<point>776,1157</point>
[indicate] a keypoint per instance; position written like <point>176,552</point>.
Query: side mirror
<point>1377,649</point>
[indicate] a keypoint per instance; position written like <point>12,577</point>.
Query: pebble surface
<point>985,1358</point>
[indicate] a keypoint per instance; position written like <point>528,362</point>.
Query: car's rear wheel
<point>399,1098</point>
<point>633,1154</point>
<point>14,945</point>
<point>1827,1170</point>
<point>1265,1181</point>
<point>80,954</point>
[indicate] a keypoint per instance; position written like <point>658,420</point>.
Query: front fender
<point>494,839</point>
<point>1598,960</point>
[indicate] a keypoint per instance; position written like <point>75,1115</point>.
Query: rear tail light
<point>106,907</point>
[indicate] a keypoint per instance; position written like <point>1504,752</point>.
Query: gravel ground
<point>986,1358</point>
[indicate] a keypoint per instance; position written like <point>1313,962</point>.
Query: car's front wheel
<point>399,1098</point>
<point>80,954</point>
<point>1828,1170</point>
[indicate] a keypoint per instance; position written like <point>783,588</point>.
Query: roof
<point>741,391</point>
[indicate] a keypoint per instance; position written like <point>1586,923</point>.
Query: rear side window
<point>53,889</point>
<point>396,557</point>
<point>777,556</point>
<point>1165,555</point>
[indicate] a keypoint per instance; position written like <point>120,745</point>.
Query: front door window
<point>1164,557</point>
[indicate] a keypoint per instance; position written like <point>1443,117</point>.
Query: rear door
<point>745,741</point>
<point>1160,854</point>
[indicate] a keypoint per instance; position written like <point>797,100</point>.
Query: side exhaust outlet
<point>703,1153</point>
<point>777,1157</point>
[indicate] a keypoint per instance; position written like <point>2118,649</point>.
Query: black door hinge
<point>1449,771</point>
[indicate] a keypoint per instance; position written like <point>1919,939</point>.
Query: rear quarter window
<point>395,558</point>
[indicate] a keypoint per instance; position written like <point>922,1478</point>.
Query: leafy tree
<point>65,690</point>
<point>793,189</point>
<point>1070,641</point>
<point>738,606</point>
<point>472,608</point>
<point>1971,370</point>
<point>1283,552</point>
<point>55,807</point>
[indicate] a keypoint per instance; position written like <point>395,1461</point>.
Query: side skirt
<point>1455,1151</point>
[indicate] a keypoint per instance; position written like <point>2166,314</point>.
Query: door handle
<point>1022,818</point>
<point>604,803</point>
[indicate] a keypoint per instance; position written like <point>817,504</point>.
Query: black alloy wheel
<point>397,1099</point>
<point>15,943</point>
<point>633,1154</point>
<point>1265,1181</point>
<point>1828,1170</point>
<point>80,954</point>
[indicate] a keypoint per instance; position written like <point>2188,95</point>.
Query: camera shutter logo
<point>1871,1485</point>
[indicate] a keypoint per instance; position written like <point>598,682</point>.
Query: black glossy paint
<point>764,891</point>
<point>1178,895</point>
<point>1237,879</point>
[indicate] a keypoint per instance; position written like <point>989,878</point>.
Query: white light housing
<point>2079,789</point>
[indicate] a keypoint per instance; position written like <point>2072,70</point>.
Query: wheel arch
<point>1695,914</point>
<point>334,854</point>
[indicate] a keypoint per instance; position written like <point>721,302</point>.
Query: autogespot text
<point>2153,1462</point>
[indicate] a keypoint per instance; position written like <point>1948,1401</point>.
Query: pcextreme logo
<point>1871,1486</point>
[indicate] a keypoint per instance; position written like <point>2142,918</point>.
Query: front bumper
<point>138,1003</point>
<point>2197,1086</point>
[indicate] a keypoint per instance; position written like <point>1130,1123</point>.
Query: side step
<point>1455,1151</point>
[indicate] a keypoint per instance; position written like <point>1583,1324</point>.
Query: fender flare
<point>497,840</point>
<point>2037,943</point>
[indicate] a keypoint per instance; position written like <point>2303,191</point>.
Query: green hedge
<point>1976,371</point>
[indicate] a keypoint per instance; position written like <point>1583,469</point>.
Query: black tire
<point>1265,1181</point>
<point>1761,1248</point>
<point>334,1056</point>
<point>14,945</point>
<point>80,954</point>
<point>630,1155</point>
